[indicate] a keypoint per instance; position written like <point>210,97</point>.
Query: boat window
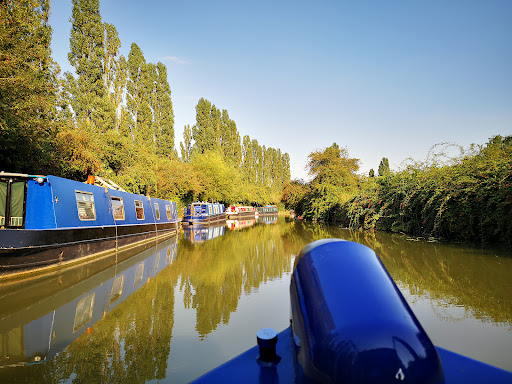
<point>85,205</point>
<point>117,208</point>
<point>168,211</point>
<point>3,202</point>
<point>157,211</point>
<point>139,210</point>
<point>17,199</point>
<point>210,209</point>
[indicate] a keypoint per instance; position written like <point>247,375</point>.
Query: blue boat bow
<point>350,324</point>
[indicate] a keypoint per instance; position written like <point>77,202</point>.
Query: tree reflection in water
<point>133,342</point>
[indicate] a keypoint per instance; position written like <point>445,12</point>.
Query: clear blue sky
<point>381,78</point>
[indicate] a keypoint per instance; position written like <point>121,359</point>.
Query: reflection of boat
<point>36,324</point>
<point>268,219</point>
<point>240,212</point>
<point>349,324</point>
<point>200,233</point>
<point>204,213</point>
<point>267,210</point>
<point>49,221</point>
<point>239,224</point>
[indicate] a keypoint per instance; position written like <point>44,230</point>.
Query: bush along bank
<point>469,200</point>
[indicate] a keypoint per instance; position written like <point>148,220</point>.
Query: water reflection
<point>267,219</point>
<point>214,276</point>
<point>52,320</point>
<point>201,233</point>
<point>176,323</point>
<point>236,225</point>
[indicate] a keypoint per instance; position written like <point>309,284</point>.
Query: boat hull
<point>25,251</point>
<point>248,215</point>
<point>204,220</point>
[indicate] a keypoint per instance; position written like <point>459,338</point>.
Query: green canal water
<point>178,309</point>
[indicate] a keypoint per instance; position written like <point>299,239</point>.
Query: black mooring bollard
<point>267,340</point>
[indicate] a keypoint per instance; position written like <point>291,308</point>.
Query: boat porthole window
<point>157,211</point>
<point>85,205</point>
<point>168,211</point>
<point>117,208</point>
<point>139,210</point>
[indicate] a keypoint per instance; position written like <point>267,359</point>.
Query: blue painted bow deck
<point>245,369</point>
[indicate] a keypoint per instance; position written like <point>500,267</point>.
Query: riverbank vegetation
<point>113,117</point>
<point>468,197</point>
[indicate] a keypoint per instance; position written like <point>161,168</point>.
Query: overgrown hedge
<point>470,200</point>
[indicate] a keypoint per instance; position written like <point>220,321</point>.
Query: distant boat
<point>267,210</point>
<point>204,213</point>
<point>239,212</point>
<point>48,221</point>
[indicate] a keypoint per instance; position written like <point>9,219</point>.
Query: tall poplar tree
<point>163,115</point>
<point>230,140</point>
<point>186,146</point>
<point>384,167</point>
<point>119,88</point>
<point>137,98</point>
<point>204,132</point>
<point>286,168</point>
<point>247,157</point>
<point>88,93</point>
<point>27,87</point>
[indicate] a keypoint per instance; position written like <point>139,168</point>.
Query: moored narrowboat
<point>240,212</point>
<point>204,213</point>
<point>48,221</point>
<point>267,210</point>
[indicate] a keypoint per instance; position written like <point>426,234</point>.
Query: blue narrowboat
<point>204,213</point>
<point>48,221</point>
<point>349,324</point>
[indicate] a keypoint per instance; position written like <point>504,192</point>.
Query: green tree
<point>384,167</point>
<point>334,180</point>
<point>119,86</point>
<point>137,98</point>
<point>27,88</point>
<point>371,173</point>
<point>206,131</point>
<point>286,168</point>
<point>186,146</point>
<point>230,139</point>
<point>88,91</point>
<point>163,115</point>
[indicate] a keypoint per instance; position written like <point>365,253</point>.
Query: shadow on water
<point>144,305</point>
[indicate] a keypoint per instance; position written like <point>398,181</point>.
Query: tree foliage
<point>28,86</point>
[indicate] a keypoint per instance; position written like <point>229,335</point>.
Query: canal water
<point>176,310</point>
